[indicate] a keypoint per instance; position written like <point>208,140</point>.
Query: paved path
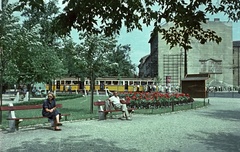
<point>215,128</point>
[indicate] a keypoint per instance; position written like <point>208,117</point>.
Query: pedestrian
<point>50,110</point>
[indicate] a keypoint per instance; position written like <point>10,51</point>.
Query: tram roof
<point>107,78</point>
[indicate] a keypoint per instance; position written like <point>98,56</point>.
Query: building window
<point>211,66</point>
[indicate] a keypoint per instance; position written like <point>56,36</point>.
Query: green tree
<point>8,25</point>
<point>33,62</point>
<point>33,17</point>
<point>41,22</point>
<point>92,52</point>
<point>123,67</point>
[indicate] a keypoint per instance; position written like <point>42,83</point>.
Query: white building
<point>211,58</point>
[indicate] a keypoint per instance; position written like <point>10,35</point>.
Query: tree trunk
<point>92,91</point>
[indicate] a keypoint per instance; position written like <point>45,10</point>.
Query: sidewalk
<point>215,128</point>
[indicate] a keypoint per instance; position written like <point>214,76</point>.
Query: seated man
<point>115,100</point>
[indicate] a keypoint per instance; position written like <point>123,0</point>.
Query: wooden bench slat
<point>114,110</point>
<point>99,103</point>
<point>25,107</point>
<point>34,117</point>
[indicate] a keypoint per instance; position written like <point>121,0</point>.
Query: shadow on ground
<point>70,144</point>
<point>218,141</point>
<point>230,115</point>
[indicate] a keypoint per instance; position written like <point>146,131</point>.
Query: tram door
<point>58,85</point>
<point>126,85</point>
<point>102,85</point>
<point>81,85</point>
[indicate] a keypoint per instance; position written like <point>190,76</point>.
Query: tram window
<point>130,82</point>
<point>96,82</point>
<point>108,82</point>
<point>143,82</point>
<point>68,82</point>
<point>62,82</point>
<point>75,82</point>
<point>136,82</point>
<point>121,82</point>
<point>115,82</point>
<point>86,82</point>
<point>149,82</point>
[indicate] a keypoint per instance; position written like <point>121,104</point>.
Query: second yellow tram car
<point>102,83</point>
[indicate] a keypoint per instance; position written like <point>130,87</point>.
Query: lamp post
<point>1,84</point>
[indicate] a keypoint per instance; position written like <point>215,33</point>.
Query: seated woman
<point>49,110</point>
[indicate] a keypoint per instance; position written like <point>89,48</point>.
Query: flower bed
<point>155,99</point>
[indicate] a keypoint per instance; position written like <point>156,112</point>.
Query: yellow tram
<point>101,83</point>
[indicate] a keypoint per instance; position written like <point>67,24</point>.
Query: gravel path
<point>215,128</point>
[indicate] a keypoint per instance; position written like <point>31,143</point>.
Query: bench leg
<point>65,118</point>
<point>14,124</point>
<point>130,112</point>
<point>101,115</point>
<point>105,115</point>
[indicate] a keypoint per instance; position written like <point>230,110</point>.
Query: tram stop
<point>195,85</point>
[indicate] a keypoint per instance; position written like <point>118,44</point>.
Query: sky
<point>139,39</point>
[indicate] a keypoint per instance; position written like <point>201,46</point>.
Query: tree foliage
<point>93,52</point>
<point>25,57</point>
<point>108,16</point>
<point>8,27</point>
<point>120,62</point>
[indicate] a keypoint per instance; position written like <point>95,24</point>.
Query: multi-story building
<point>144,67</point>
<point>211,58</point>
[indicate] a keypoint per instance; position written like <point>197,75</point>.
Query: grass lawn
<point>79,108</point>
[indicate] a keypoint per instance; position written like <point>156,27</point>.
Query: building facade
<point>211,58</point>
<point>236,63</point>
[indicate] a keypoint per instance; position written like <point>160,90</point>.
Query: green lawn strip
<point>79,108</point>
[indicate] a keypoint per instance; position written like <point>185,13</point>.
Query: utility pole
<point>1,71</point>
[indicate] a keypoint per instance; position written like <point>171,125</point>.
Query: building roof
<point>195,79</point>
<point>143,60</point>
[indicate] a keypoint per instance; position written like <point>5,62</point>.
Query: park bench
<point>104,108</point>
<point>15,121</point>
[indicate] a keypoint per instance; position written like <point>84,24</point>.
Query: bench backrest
<point>24,107</point>
<point>99,103</point>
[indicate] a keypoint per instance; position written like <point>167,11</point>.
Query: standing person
<point>49,110</point>
<point>115,100</point>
